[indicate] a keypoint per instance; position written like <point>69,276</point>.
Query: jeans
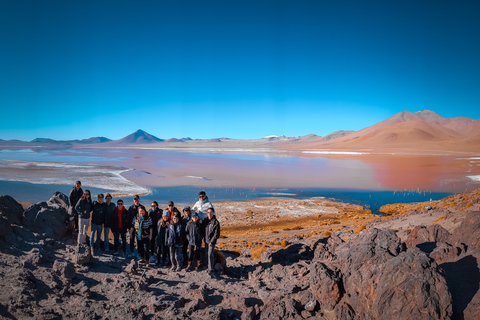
<point>175,253</point>
<point>106,233</point>
<point>211,258</point>
<point>95,229</point>
<point>82,231</point>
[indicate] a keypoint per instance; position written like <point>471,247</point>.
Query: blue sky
<point>238,69</point>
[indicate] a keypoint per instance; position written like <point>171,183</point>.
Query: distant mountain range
<point>421,131</point>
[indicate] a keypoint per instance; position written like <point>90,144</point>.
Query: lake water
<point>371,180</point>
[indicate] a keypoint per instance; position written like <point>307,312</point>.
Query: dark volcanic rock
<point>289,255</point>
<point>64,269</point>
<point>11,210</point>
<point>48,217</point>
<point>411,287</point>
<point>83,254</point>
<point>427,235</point>
<point>326,285</point>
<point>468,232</point>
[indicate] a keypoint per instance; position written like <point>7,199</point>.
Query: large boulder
<point>425,235</point>
<point>411,287</point>
<point>48,217</point>
<point>11,210</point>
<point>468,232</point>
<point>326,285</point>
<point>83,254</point>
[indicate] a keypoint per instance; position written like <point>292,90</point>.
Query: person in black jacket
<point>98,218</point>
<point>107,224</point>
<point>162,240</point>
<point>156,215</point>
<point>120,227</point>
<point>212,233</point>
<point>175,242</point>
<point>75,195</point>
<point>187,215</point>
<point>194,232</point>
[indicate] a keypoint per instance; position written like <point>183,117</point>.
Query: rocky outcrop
<point>427,234</point>
<point>48,218</point>
<point>10,213</point>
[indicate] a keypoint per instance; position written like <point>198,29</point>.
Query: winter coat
<point>176,234</point>
<point>74,196</point>
<point>172,213</point>
<point>194,232</point>
<point>212,231</point>
<point>109,215</point>
<point>201,208</point>
<point>162,234</point>
<point>83,208</point>
<point>155,215</point>
<point>116,219</point>
<point>98,213</point>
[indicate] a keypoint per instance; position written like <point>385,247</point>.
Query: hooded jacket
<point>194,233</point>
<point>212,231</point>
<point>201,207</point>
<point>83,209</point>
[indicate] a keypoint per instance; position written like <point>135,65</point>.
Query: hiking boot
<point>173,268</point>
<point>179,268</point>
<point>189,268</point>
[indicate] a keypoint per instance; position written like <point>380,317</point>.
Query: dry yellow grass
<point>360,229</point>
<point>256,252</point>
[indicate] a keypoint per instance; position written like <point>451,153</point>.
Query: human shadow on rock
<point>463,281</point>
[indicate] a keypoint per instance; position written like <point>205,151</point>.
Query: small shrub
<point>278,243</point>
<point>256,252</point>
<point>327,233</point>
<point>439,219</point>
<point>284,243</point>
<point>274,231</point>
<point>360,228</point>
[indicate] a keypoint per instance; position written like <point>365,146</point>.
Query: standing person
<point>212,233</point>
<point>142,230</point>
<point>110,207</point>
<point>75,195</point>
<point>120,227</point>
<point>172,210</point>
<point>187,214</point>
<point>175,241</point>
<point>98,218</point>
<point>201,207</point>
<point>162,240</point>
<point>156,215</point>
<point>132,212</point>
<point>194,233</point>
<point>83,207</point>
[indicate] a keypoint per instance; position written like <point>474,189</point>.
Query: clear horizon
<point>242,70</point>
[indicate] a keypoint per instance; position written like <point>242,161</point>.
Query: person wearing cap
<point>75,195</point>
<point>155,214</point>
<point>107,225</point>
<point>212,233</point>
<point>120,227</point>
<point>172,210</point>
<point>162,240</point>
<point>142,230</point>
<point>187,214</point>
<point>132,213</point>
<point>175,242</point>
<point>194,232</point>
<point>98,218</point>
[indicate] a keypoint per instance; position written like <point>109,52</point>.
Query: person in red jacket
<point>120,225</point>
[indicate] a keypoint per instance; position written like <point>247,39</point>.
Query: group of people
<point>161,236</point>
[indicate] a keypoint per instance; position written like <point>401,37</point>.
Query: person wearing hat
<point>172,210</point>
<point>75,195</point>
<point>107,225</point>
<point>156,215</point>
<point>132,213</point>
<point>161,240</point>
<point>175,241</point>
<point>194,232</point>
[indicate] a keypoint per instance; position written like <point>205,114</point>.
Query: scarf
<point>140,226</point>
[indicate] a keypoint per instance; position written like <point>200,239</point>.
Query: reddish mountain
<point>422,131</point>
